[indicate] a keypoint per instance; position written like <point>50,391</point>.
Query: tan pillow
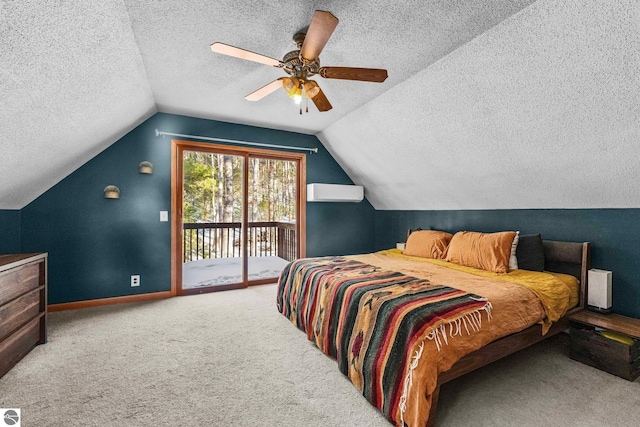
<point>427,244</point>
<point>489,252</point>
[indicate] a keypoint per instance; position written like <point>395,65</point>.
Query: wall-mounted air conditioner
<point>334,193</point>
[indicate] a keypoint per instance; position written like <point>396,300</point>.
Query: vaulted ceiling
<point>489,104</point>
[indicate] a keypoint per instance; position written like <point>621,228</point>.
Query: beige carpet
<point>230,359</point>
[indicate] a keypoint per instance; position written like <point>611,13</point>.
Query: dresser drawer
<point>617,358</point>
<point>17,345</point>
<point>18,312</point>
<point>18,281</point>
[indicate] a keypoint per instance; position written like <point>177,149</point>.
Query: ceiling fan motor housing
<point>297,66</point>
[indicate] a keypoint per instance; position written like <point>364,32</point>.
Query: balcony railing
<point>222,240</point>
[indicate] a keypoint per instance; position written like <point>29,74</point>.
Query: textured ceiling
<point>541,111</point>
<point>71,83</point>
<point>488,104</point>
<point>403,37</point>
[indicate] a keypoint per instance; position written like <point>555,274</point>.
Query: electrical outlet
<point>135,280</point>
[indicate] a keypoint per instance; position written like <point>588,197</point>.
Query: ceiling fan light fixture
<point>311,88</point>
<point>293,86</point>
<point>290,84</point>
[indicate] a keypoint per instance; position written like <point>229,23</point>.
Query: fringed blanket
<point>375,321</point>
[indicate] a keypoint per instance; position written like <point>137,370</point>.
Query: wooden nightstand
<point>618,357</point>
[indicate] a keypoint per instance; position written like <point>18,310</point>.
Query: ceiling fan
<point>303,63</point>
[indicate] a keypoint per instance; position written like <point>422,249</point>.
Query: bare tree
<point>255,194</point>
<point>213,194</point>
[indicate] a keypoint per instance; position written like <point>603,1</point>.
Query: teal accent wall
<point>96,244</point>
<point>9,231</point>
<point>614,235</point>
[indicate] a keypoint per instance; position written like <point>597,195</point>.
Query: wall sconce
<point>111,192</point>
<point>146,168</point>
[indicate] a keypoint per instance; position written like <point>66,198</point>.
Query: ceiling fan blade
<point>349,73</point>
<point>321,101</point>
<point>236,52</point>
<point>265,90</point>
<point>321,27</point>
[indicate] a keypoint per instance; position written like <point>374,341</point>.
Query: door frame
<point>177,149</point>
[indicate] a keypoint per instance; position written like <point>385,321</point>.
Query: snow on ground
<point>224,271</point>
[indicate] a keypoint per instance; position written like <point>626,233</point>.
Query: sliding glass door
<point>272,217</point>
<point>238,215</point>
<point>212,201</point>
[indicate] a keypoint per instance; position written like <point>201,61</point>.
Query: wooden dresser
<point>23,306</point>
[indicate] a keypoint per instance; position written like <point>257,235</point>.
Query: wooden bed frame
<point>560,257</point>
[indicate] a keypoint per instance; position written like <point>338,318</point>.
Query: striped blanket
<point>374,321</point>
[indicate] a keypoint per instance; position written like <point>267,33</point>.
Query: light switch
<point>164,216</point>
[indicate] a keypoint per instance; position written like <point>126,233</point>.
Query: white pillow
<point>513,260</point>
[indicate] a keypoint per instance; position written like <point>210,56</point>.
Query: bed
<point>400,326</point>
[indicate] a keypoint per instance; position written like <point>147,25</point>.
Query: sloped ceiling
<point>72,82</point>
<point>488,104</point>
<point>541,111</point>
